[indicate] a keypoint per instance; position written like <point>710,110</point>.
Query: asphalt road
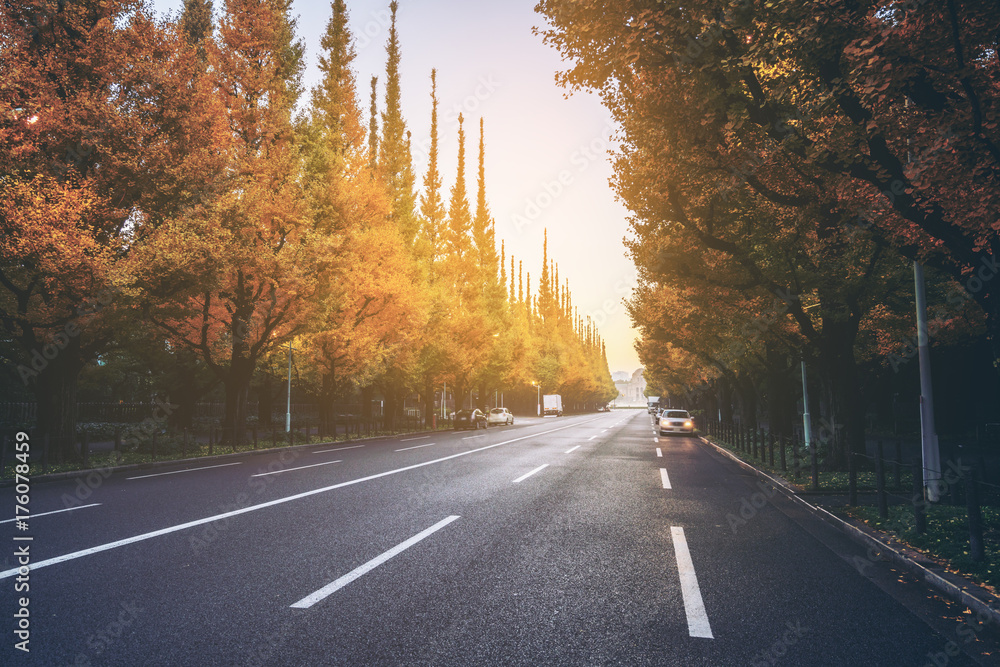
<point>581,540</point>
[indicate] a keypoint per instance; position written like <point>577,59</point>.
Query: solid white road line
<point>338,449</point>
<point>278,472</point>
<point>524,477</point>
<point>419,437</point>
<point>6,574</point>
<point>429,444</point>
<point>174,472</point>
<point>694,606</point>
<point>659,453</point>
<point>22,517</point>
<point>573,449</point>
<point>664,478</point>
<point>333,587</point>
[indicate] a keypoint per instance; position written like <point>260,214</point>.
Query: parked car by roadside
<point>675,421</point>
<point>500,416</point>
<point>474,419</point>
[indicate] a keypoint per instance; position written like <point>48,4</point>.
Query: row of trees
<point>175,215</point>
<point>785,164</point>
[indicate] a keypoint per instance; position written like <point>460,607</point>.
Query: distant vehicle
<point>604,408</point>
<point>473,419</point>
<point>676,421</point>
<point>653,404</point>
<point>500,416</point>
<point>552,405</point>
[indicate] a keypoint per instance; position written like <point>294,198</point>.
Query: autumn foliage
<point>171,197</point>
<point>785,164</point>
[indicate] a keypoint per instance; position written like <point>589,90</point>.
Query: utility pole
<point>930,453</point>
<point>806,419</point>
<point>288,410</point>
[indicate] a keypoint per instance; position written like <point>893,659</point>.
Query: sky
<point>547,161</point>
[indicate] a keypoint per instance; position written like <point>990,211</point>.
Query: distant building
<point>630,391</point>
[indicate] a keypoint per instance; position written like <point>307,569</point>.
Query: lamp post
<point>288,409</point>
<point>538,398</point>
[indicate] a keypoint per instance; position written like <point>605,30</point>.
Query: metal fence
<point>886,477</point>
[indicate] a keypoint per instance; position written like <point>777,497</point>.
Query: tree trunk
<point>237,382</point>
<point>459,392</point>
<point>779,395</point>
<point>726,399</point>
<point>55,390</point>
<point>367,395</point>
<point>237,390</point>
<point>265,402</point>
<point>748,401</point>
<point>845,387</point>
<point>327,419</point>
<point>390,407</point>
<point>428,401</point>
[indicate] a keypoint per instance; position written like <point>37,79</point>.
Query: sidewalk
<point>953,586</point>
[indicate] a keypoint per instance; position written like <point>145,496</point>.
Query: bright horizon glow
<point>547,165</point>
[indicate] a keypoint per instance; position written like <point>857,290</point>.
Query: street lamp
<point>538,398</point>
<point>288,409</point>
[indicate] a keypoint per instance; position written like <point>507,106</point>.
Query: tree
<point>240,277</point>
<point>394,149</point>
<point>102,134</point>
<point>431,252</point>
<point>373,301</point>
<point>713,164</point>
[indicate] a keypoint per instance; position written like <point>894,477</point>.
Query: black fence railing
<point>881,479</point>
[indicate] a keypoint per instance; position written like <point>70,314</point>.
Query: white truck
<point>652,404</point>
<point>552,405</point>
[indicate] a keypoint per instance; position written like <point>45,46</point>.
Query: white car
<point>676,421</point>
<point>501,416</point>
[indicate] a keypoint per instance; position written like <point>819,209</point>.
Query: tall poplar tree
<point>431,251</point>
<point>394,152</point>
<point>241,281</point>
<point>431,203</point>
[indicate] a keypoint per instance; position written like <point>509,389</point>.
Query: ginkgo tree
<point>241,274</point>
<point>102,136</point>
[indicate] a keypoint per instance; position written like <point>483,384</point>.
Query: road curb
<point>153,465</point>
<point>955,587</point>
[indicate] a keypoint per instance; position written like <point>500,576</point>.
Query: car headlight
<point>689,424</point>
